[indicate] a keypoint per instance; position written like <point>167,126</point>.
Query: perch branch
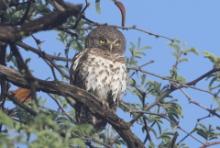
<point>80,95</point>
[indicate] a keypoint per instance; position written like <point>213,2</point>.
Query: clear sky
<point>194,22</point>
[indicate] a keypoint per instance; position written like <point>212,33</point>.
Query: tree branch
<point>47,22</point>
<point>209,144</point>
<point>41,53</point>
<point>4,85</point>
<point>80,95</point>
<point>193,82</point>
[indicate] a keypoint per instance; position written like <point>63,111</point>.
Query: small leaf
<point>193,50</point>
<point>97,6</point>
<point>77,142</point>
<point>4,119</point>
<point>210,56</point>
<point>202,133</point>
<point>27,60</point>
<point>214,59</point>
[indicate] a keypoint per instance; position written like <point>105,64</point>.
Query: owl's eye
<point>117,44</point>
<point>102,41</point>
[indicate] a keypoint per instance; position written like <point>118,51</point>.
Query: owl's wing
<point>75,64</point>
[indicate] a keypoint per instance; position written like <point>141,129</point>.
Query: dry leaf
<point>22,95</point>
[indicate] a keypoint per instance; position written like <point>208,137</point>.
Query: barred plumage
<point>101,72</point>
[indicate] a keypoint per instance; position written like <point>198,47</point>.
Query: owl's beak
<point>111,45</point>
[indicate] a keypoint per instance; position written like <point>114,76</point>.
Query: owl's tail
<point>83,115</point>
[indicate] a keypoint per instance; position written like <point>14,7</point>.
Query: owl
<point>100,69</point>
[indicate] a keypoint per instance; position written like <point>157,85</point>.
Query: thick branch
<point>80,95</point>
<point>194,82</point>
<point>47,22</point>
<point>8,33</point>
<point>3,83</point>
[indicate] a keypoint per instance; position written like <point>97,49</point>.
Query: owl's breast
<point>103,77</point>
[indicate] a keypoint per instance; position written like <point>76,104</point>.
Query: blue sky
<point>194,22</point>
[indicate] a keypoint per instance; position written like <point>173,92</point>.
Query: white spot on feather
<point>108,80</point>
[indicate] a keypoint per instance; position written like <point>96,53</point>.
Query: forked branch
<point>80,95</point>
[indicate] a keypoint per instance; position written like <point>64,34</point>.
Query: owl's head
<point>107,38</point>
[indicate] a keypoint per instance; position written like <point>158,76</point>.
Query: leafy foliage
<point>156,110</point>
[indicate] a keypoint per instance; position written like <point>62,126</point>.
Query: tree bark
<point>79,95</point>
<point>13,33</point>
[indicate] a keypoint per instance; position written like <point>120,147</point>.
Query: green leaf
<point>214,59</point>
<point>83,129</point>
<point>48,138</point>
<point>98,6</point>
<point>5,120</point>
<point>77,142</point>
<point>208,133</point>
<point>193,50</point>
<point>210,56</point>
<point>202,133</point>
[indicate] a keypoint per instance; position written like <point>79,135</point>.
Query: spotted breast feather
<point>102,75</point>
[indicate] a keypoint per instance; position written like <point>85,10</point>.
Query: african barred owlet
<point>100,69</point>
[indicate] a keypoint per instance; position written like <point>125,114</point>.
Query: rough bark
<point>13,33</point>
<point>80,95</point>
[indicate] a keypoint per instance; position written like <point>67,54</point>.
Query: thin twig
<point>80,15</point>
<point>24,17</point>
<point>208,144</point>
<point>22,105</point>
<point>190,135</point>
<point>146,32</point>
<point>130,28</point>
<point>62,109</point>
<point>41,53</point>
<point>45,56</point>
<point>211,111</point>
<point>23,68</point>
<point>190,84</point>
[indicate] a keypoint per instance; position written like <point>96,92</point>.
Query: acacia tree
<point>31,121</point>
